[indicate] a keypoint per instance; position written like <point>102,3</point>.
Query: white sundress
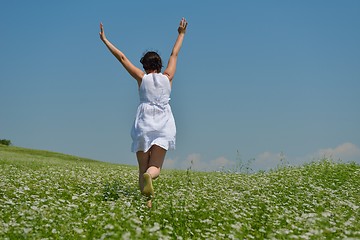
<point>154,122</point>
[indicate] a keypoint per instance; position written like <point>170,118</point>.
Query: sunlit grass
<point>46,195</point>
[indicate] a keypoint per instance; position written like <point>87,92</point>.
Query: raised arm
<point>171,67</point>
<point>131,68</point>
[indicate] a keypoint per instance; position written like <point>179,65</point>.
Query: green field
<point>45,195</point>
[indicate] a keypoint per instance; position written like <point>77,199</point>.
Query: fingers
<point>183,23</point>
<point>101,33</point>
<point>182,26</point>
<point>101,27</point>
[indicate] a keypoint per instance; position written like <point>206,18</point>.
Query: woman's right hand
<point>102,33</point>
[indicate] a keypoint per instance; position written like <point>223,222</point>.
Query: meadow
<point>46,195</point>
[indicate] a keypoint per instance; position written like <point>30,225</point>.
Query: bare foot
<point>148,188</point>
<point>149,204</point>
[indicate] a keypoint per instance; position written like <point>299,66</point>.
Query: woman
<point>154,129</point>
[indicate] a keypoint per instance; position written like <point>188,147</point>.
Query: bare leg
<point>150,164</point>
<point>156,161</point>
<point>143,161</point>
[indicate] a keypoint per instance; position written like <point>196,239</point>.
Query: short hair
<point>151,61</point>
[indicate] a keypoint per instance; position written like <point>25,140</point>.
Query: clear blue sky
<point>256,77</point>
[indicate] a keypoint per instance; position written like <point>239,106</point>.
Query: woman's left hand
<point>182,26</point>
<point>102,33</point>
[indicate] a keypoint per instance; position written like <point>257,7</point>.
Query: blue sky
<point>255,79</point>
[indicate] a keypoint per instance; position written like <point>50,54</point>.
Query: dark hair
<point>151,61</point>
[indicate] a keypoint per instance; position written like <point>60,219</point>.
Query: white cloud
<point>265,160</point>
<point>194,161</point>
<point>221,162</point>
<point>197,163</point>
<point>170,163</point>
<point>268,160</point>
<point>346,152</point>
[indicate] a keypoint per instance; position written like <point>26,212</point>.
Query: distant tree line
<point>5,142</point>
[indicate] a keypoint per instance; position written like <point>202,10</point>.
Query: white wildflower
<point>138,231</point>
<point>73,206</point>
<point>78,230</point>
<point>136,221</point>
<point>35,208</point>
<point>126,236</point>
<point>326,214</point>
<point>155,228</point>
<point>109,227</point>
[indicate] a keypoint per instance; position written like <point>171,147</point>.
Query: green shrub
<point>5,142</point>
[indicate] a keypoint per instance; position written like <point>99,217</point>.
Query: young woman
<point>154,130</point>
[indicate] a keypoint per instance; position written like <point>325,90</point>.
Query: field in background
<point>45,195</point>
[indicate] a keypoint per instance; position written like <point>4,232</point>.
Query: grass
<point>45,195</point>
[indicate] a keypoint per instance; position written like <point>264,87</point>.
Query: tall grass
<point>46,195</point>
